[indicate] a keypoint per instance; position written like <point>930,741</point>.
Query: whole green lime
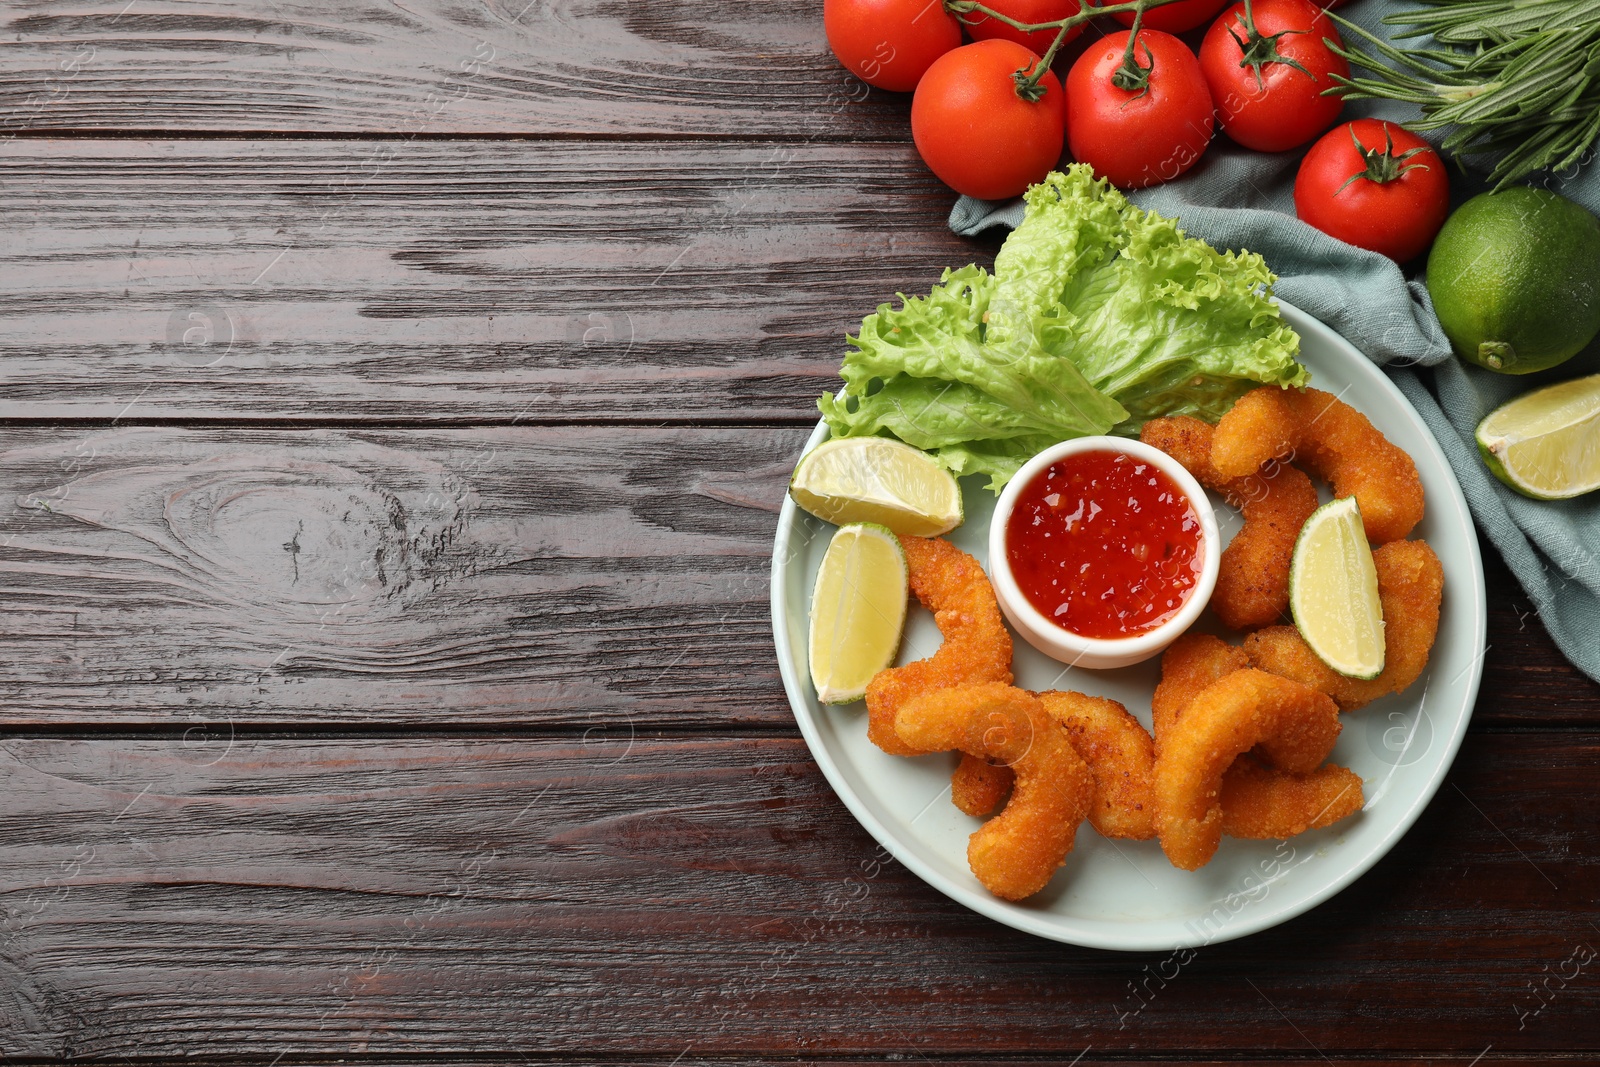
<point>1515,279</point>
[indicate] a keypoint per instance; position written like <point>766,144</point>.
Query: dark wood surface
<point>706,896</point>
<point>397,400</point>
<point>258,896</point>
<point>596,68</point>
<point>451,281</point>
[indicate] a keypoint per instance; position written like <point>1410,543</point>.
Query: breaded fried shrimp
<point>1253,577</point>
<point>1193,663</point>
<point>977,786</point>
<point>1015,853</point>
<point>1410,588</point>
<point>1227,719</point>
<point>1262,425</point>
<point>1253,580</point>
<point>1187,440</point>
<point>1262,803</point>
<point>1189,665</point>
<point>1258,800</point>
<point>976,646</point>
<point>1120,755</point>
<point>1330,439</point>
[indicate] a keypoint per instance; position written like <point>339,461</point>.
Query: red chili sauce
<point>1104,544</point>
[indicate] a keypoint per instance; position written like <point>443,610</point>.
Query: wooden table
<point>398,398</point>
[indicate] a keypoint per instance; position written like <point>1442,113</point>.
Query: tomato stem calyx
<point>1028,81</point>
<point>1381,165</point>
<point>1260,49</point>
<point>1130,76</point>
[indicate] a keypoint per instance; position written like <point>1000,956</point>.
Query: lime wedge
<point>1333,590</point>
<point>1546,444</point>
<point>857,610</point>
<point>875,479</point>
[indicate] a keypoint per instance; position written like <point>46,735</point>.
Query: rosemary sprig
<point>1520,80</point>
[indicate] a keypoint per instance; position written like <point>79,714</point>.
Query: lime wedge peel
<point>877,480</point>
<point>1333,591</point>
<point>1546,444</point>
<point>858,610</point>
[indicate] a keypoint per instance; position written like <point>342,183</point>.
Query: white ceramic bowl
<point>1094,652</point>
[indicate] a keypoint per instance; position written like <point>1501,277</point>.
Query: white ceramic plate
<point>1124,894</point>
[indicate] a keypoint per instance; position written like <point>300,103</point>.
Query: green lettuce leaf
<point>1055,263</point>
<point>1167,325</point>
<point>1098,317</point>
<point>926,373</point>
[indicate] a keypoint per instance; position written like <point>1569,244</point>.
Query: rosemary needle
<point>1519,81</point>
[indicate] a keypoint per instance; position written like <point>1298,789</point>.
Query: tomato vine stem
<point>1028,78</point>
<point>1130,76</point>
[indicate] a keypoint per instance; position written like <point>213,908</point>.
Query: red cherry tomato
<point>889,43</point>
<point>984,28</point>
<point>1153,130</point>
<point>975,132</point>
<point>1285,107</point>
<point>1175,18</point>
<point>1389,193</point>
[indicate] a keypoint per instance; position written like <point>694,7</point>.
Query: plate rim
<point>1034,922</point>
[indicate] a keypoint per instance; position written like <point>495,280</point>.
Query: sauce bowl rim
<point>1075,649</point>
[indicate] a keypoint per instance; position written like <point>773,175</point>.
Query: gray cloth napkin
<point>1238,199</point>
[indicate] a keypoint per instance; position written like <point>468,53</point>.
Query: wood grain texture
<point>658,874</point>
<point>363,281</point>
<point>689,1059</point>
<point>710,897</point>
<point>530,576</point>
<point>506,576</point>
<point>518,67</point>
<point>1523,670</point>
